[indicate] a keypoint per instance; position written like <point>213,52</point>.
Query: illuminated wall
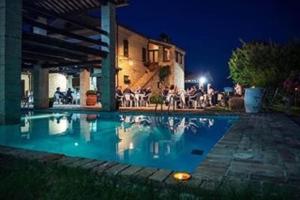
<point>133,65</point>
<point>26,79</point>
<point>57,80</point>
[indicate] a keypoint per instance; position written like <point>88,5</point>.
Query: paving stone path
<point>258,149</point>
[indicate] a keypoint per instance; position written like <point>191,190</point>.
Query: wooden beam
<point>72,64</point>
<point>63,32</point>
<point>61,44</point>
<point>41,58</point>
<point>43,12</point>
<point>44,51</point>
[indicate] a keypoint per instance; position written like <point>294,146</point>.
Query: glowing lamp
<point>182,176</point>
<point>202,80</point>
<point>130,62</point>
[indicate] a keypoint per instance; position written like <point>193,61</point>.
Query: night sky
<point>210,30</point>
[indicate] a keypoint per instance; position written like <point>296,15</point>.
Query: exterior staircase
<point>147,77</point>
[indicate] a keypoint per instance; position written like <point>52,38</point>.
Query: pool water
<point>176,142</point>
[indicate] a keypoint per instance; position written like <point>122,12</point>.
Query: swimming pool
<point>175,142</point>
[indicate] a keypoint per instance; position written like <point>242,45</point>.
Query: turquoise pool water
<point>176,142</point>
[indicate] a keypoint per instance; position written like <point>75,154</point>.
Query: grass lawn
<point>22,179</point>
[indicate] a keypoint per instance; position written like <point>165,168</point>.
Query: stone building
<point>139,60</point>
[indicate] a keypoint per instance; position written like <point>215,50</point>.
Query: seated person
<point>128,91</point>
<point>165,91</point>
<point>58,95</point>
<point>139,90</point>
<point>119,91</point>
<point>69,96</point>
<point>119,95</point>
<point>148,91</point>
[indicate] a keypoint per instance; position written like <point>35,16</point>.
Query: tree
<point>165,38</point>
<point>263,64</point>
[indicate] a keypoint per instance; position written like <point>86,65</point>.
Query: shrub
<point>156,99</point>
<point>164,72</point>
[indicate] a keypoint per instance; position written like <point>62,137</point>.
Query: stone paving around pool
<point>258,149</point>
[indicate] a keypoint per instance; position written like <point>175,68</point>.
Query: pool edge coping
<point>200,178</point>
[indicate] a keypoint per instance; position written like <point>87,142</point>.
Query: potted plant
<point>157,99</point>
<point>91,97</point>
<point>256,67</point>
<point>51,102</point>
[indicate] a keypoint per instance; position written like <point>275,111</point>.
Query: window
<point>126,79</point>
<point>153,56</point>
<point>179,58</point>
<point>126,48</point>
<point>144,55</point>
<point>166,55</point>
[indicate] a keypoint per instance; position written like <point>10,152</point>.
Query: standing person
<point>213,96</point>
<point>238,89</point>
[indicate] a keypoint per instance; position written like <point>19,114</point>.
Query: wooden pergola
<point>61,47</point>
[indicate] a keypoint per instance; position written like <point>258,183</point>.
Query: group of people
<point>129,97</point>
<point>68,97</point>
<point>193,97</point>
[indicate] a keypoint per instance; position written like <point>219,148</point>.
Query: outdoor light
<point>130,62</point>
<point>182,176</point>
<point>202,80</point>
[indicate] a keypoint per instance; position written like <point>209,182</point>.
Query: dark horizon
<point>210,31</point>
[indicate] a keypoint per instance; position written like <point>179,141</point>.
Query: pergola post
<point>10,61</point>
<point>84,85</point>
<point>108,82</point>
<point>40,87</point>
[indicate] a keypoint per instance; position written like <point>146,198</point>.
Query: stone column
<point>40,87</point>
<point>108,82</point>
<point>84,85</point>
<point>70,82</point>
<point>10,61</point>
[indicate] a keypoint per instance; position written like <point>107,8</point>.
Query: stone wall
<point>133,65</point>
<point>57,80</point>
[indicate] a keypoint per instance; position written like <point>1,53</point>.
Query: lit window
<point>126,48</point>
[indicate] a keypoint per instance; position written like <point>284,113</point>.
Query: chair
<point>119,99</point>
<point>194,100</point>
<point>127,100</point>
<point>137,100</point>
<point>146,99</point>
<point>57,98</point>
<point>75,98</point>
<point>175,100</point>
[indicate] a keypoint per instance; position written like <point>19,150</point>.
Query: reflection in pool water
<point>160,141</point>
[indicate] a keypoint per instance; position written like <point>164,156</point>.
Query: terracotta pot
<point>91,100</point>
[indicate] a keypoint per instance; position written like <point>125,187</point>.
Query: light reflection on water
<point>154,141</point>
